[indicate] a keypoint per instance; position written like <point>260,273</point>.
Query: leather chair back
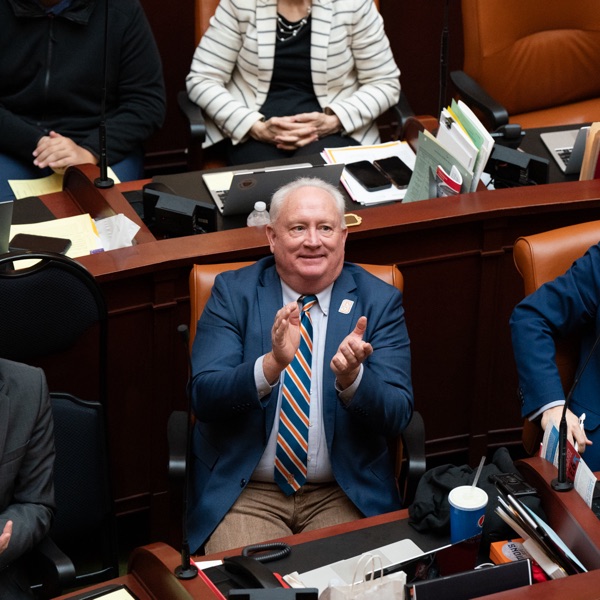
<point>408,451</point>
<point>543,257</point>
<point>540,60</point>
<point>202,278</point>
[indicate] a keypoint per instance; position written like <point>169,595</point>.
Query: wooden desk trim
<point>379,221</point>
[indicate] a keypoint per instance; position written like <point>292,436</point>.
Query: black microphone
<point>561,483</point>
<point>444,60</point>
<point>186,570</point>
<point>104,181</point>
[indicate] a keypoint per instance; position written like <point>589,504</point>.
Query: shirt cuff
<point>263,387</point>
<point>538,413</point>
<point>347,394</point>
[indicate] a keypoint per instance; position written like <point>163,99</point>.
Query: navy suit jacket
<point>233,425</point>
<point>26,465</point>
<point>568,305</point>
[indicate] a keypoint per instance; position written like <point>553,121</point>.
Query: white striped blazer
<point>353,70</point>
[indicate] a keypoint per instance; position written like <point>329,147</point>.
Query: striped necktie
<point>292,438</point>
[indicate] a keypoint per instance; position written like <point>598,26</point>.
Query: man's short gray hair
<point>281,195</point>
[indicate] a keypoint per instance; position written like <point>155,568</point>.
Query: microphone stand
<point>444,60</point>
<point>186,570</point>
<point>561,483</point>
<point>104,181</point>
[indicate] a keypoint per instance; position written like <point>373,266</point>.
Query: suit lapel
<point>340,322</point>
<point>270,300</point>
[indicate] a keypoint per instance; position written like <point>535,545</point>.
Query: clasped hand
<point>59,152</point>
<point>285,339</point>
<point>291,133</point>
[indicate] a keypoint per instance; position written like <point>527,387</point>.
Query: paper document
<point>431,155</point>
<point>349,154</point>
<point>584,480</point>
<point>478,134</point>
<point>455,139</point>
<point>81,230</point>
<point>23,188</point>
<point>116,232</point>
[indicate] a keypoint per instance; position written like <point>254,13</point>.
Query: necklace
<point>286,30</point>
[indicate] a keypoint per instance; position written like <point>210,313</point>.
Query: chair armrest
<point>413,447</point>
<point>177,441</point>
<point>474,94</point>
<point>193,113</point>
<point>52,567</point>
<point>403,112</point>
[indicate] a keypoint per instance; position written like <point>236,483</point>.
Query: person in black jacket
<point>51,82</point>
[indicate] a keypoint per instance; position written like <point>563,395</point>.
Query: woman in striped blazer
<point>278,78</point>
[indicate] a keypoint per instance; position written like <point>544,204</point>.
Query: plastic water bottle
<point>259,216</point>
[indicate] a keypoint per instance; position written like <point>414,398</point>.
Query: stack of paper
<point>541,542</point>
<point>461,146</point>
<point>590,165</point>
<point>584,480</point>
<point>349,154</point>
<point>80,229</point>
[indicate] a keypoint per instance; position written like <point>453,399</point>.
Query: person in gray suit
<point>26,470</point>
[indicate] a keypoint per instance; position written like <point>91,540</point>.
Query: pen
<point>581,420</point>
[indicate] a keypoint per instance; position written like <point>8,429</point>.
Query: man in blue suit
<point>360,392</point>
<point>567,305</point>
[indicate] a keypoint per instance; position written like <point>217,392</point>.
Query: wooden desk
<point>151,567</point>
<point>460,288</point>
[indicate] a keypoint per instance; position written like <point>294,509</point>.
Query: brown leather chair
<point>391,123</point>
<point>531,62</point>
<point>543,257</point>
<point>409,450</point>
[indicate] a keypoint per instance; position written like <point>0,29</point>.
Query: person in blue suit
<point>361,392</point>
<point>567,305</point>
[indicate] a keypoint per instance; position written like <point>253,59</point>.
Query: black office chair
<point>48,302</point>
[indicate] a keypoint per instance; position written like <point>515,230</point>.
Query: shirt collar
<point>324,296</point>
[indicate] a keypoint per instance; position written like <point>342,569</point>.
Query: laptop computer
<point>6,211</point>
<point>567,148</point>
<point>235,192</point>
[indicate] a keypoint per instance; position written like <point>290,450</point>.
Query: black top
<point>291,90</point>
<point>51,76</point>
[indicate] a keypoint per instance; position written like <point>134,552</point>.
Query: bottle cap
<point>260,206</point>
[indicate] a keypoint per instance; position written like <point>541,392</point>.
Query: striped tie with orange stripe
<point>292,439</point>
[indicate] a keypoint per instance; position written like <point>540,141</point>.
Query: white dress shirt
<point>319,464</point>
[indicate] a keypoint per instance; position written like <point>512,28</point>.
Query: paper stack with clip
<point>461,146</point>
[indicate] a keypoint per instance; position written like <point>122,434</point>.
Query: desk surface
<point>151,568</point>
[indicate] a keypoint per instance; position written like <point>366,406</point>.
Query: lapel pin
<point>346,306</point>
